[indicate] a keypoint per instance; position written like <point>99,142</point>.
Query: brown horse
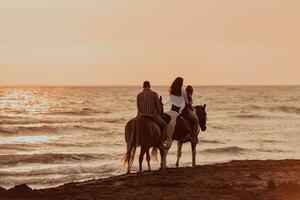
<point>179,129</point>
<point>145,133</point>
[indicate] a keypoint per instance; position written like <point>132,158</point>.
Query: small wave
<point>73,144</point>
<point>63,170</point>
<point>8,120</point>
<point>87,109</point>
<point>83,111</point>
<point>89,128</point>
<point>16,147</point>
<point>57,175</point>
<point>11,160</point>
<point>287,109</point>
<point>6,130</point>
<point>53,128</point>
<point>252,116</point>
<point>227,150</point>
<point>211,141</point>
<point>24,121</point>
<point>117,120</point>
<point>69,113</point>
<point>255,107</point>
<point>29,129</point>
<point>13,110</point>
<point>269,112</point>
<point>68,170</point>
<point>216,127</point>
<point>272,150</point>
<point>270,141</point>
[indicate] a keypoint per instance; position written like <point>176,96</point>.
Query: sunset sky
<point>116,42</point>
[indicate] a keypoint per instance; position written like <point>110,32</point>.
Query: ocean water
<point>53,135</point>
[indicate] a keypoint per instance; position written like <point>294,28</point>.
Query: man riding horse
<point>146,129</point>
<point>148,105</point>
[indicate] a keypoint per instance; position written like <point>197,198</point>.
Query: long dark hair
<point>176,86</point>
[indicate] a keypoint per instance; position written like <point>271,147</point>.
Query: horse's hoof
<point>177,165</point>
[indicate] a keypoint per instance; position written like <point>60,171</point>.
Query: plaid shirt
<point>147,102</point>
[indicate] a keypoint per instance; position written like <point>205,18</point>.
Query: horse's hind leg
<point>129,163</point>
<point>141,158</point>
<point>178,153</point>
<point>148,159</point>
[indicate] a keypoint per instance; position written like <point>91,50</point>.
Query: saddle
<point>182,128</point>
<point>183,125</point>
<point>183,114</point>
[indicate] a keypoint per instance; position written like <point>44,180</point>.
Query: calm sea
<point>53,135</point>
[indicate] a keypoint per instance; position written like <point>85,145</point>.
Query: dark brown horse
<point>145,133</point>
<point>180,129</point>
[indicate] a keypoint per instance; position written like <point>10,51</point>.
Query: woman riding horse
<point>181,99</point>
<point>178,128</point>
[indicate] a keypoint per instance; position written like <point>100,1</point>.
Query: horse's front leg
<point>193,145</point>
<point>179,145</point>
<point>164,158</point>
<point>168,132</point>
<point>161,151</point>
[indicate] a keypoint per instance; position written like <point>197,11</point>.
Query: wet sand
<point>247,180</point>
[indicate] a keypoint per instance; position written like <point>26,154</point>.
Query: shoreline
<point>243,179</point>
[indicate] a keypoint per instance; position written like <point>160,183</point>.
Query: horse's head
<point>161,106</point>
<point>201,114</point>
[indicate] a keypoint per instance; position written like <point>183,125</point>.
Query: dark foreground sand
<point>234,180</point>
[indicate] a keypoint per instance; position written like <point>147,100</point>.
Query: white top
<point>179,101</point>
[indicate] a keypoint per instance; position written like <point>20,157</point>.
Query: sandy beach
<point>211,86</point>
<point>249,179</point>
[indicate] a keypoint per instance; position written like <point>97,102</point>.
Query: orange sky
<point>114,42</point>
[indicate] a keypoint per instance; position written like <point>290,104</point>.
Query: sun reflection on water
<point>23,102</point>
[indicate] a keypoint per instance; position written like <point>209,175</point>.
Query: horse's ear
<point>160,98</point>
<point>204,106</point>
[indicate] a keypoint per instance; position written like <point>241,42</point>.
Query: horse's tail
<point>154,153</point>
<point>131,146</point>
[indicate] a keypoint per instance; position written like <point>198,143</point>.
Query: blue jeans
<point>159,121</point>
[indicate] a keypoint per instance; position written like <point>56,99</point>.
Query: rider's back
<point>147,101</point>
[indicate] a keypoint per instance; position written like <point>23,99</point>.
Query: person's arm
<point>157,103</point>
<point>138,104</point>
